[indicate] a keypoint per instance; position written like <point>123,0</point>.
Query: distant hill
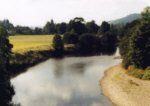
<point>126,19</point>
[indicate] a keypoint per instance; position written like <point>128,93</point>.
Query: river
<point>70,81</point>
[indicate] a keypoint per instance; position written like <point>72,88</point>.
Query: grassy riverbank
<point>28,50</point>
<point>125,90</point>
<point>19,62</point>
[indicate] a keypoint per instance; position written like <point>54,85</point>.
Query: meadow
<point>26,43</point>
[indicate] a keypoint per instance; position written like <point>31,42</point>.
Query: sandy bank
<point>124,90</point>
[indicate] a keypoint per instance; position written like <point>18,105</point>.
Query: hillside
<point>126,19</point>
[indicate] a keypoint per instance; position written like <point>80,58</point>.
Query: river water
<point>71,81</point>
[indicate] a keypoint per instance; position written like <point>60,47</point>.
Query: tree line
<point>135,42</point>
<point>78,24</point>
<point>95,39</point>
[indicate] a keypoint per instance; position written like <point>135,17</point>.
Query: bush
<point>146,75</point>
<point>58,46</point>
<point>89,42</point>
<point>138,73</point>
<point>70,37</point>
<point>108,41</point>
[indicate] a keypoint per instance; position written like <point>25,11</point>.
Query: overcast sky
<point>38,12</point>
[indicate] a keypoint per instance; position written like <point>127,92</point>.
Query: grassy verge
<point>19,62</point>
<point>29,50</point>
<point>139,73</point>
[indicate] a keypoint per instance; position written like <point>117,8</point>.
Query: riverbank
<point>125,90</point>
<point>20,62</point>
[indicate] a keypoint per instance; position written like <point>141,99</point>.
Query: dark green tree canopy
<point>62,28</point>
<point>49,28</point>
<point>23,30</point>
<point>70,37</point>
<point>89,43</point>
<point>77,24</point>
<point>135,49</point>
<point>37,31</point>
<point>58,43</point>
<point>92,27</point>
<point>146,14</point>
<point>6,24</point>
<point>104,27</point>
<point>6,90</point>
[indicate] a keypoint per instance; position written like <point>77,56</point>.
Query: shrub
<point>146,75</point>
<point>89,42</point>
<point>70,37</point>
<point>58,43</point>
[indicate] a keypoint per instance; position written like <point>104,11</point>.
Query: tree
<point>23,30</point>
<point>7,25</point>
<point>104,27</point>
<point>77,24</point>
<point>135,50</point>
<point>108,40</point>
<point>6,90</point>
<point>37,31</point>
<point>58,43</point>
<point>89,43</point>
<point>49,28</point>
<point>62,28</point>
<point>92,27</point>
<point>70,37</point>
<point>146,14</point>
<point>140,47</point>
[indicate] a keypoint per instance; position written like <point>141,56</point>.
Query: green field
<point>25,43</point>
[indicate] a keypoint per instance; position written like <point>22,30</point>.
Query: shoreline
<point>21,62</point>
<point>125,90</point>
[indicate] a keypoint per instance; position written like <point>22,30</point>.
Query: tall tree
<point>104,27</point>
<point>58,43</point>
<point>62,27</point>
<point>70,37</point>
<point>137,46</point>
<point>49,28</point>
<point>37,31</point>
<point>77,24</point>
<point>6,90</point>
<point>7,25</point>
<point>92,27</point>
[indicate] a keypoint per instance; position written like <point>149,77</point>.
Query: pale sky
<point>38,12</point>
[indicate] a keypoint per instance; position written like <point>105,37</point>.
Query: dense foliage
<point>71,37</point>
<point>7,25</point>
<point>89,43</point>
<point>6,90</point>
<point>58,43</point>
<point>91,27</point>
<point>104,27</point>
<point>134,46</point>
<point>77,24</point>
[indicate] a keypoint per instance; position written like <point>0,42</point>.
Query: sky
<point>38,12</point>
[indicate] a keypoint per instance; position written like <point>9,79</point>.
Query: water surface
<point>71,81</point>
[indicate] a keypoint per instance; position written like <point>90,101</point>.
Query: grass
<point>26,43</point>
<point>139,73</point>
<point>29,50</point>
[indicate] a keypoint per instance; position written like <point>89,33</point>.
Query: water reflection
<point>72,81</point>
